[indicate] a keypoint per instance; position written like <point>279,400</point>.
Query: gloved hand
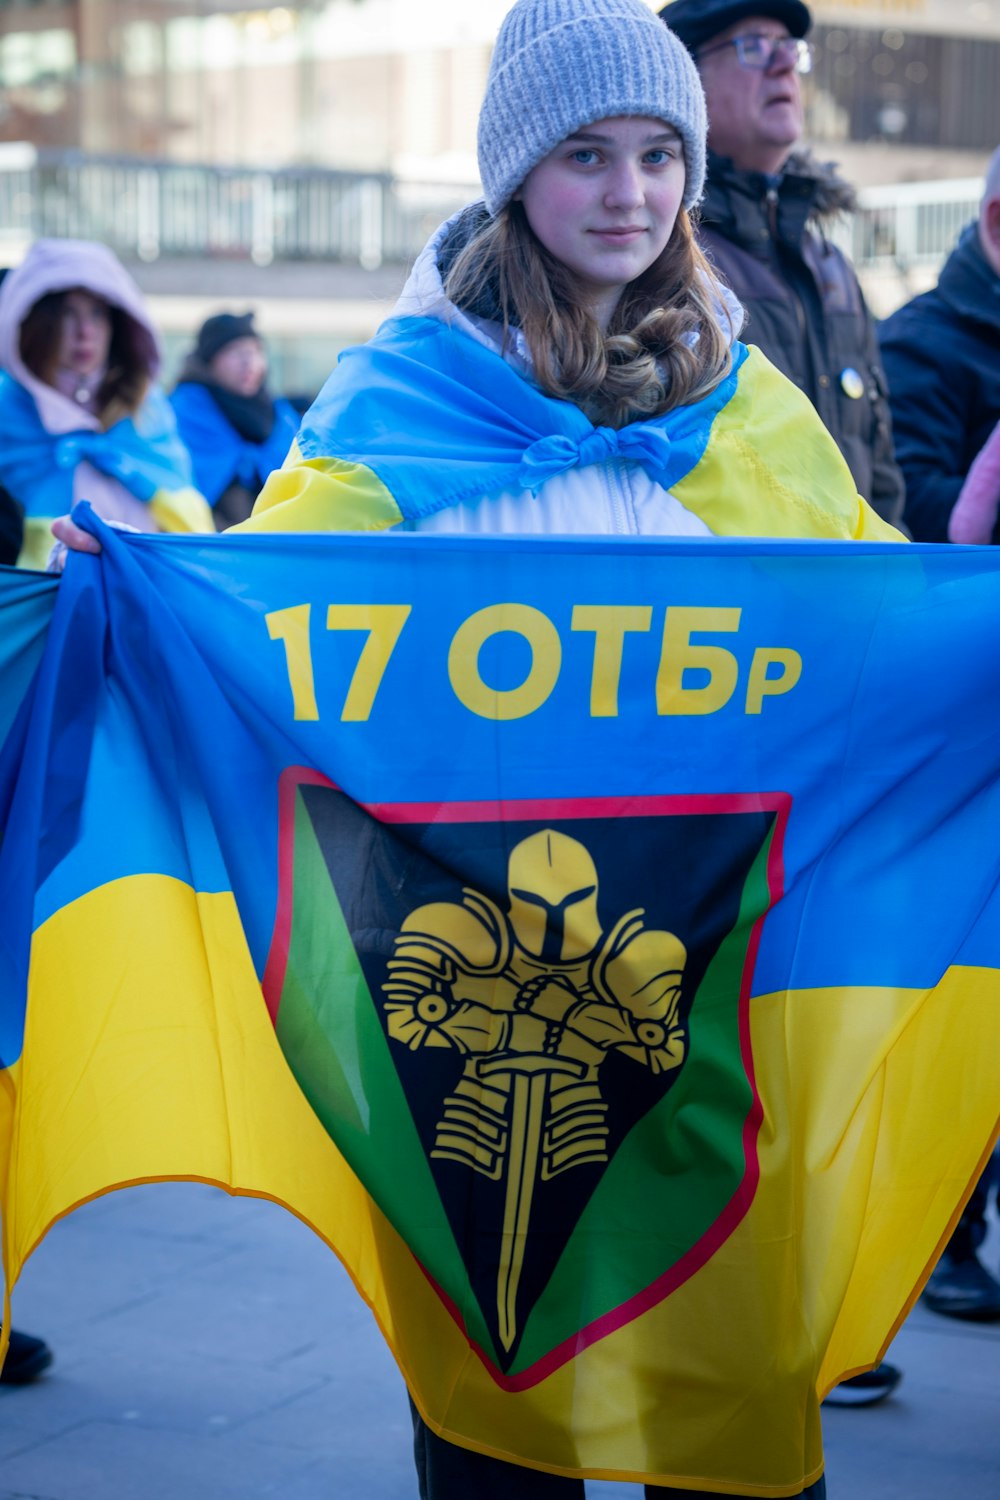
<point>975,511</point>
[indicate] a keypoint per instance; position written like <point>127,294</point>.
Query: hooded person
<point>81,417</point>
<point>234,429</point>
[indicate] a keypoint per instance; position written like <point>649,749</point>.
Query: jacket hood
<point>57,265</point>
<point>824,194</point>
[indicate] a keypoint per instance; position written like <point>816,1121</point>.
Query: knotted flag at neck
<point>440,418</point>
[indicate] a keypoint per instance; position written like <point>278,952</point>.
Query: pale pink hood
<point>56,266</point>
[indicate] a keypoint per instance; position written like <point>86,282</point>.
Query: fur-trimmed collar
<point>833,195</point>
<point>823,193</point>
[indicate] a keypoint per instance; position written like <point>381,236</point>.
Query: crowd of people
<point>83,413</point>
<point>648,212</point>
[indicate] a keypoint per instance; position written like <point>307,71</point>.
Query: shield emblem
<point>527,1029</point>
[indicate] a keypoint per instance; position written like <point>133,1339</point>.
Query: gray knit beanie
<point>561,64</point>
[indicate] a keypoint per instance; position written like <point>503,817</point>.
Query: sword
<point>531,1077</point>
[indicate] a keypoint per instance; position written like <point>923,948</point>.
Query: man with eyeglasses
<point>762,225</point>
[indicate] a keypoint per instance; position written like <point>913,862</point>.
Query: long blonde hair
<point>665,345</point>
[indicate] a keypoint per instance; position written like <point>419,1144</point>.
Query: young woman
<point>234,429</point>
<point>80,415</point>
<point>564,361</point>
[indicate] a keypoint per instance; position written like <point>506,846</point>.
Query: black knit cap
<point>222,329</point>
<point>697,21</point>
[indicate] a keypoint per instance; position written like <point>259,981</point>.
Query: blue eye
<point>585,156</point>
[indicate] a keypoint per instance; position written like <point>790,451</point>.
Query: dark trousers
<point>445,1472</point>
<point>970,1231</point>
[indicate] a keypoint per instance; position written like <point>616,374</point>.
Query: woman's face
<point>240,366</point>
<point>84,332</point>
<point>605,202</point>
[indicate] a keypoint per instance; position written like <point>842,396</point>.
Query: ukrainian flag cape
<point>424,417</point>
<point>143,453</point>
<point>596,942</point>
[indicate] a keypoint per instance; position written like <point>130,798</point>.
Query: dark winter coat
<point>942,354</point>
<point>804,307</point>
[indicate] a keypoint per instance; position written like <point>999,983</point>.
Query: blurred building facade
<point>903,89</point>
<point>204,136</point>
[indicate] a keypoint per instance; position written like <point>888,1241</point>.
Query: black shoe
<point>26,1358</point>
<point>865,1390</point>
<point>963,1289</point>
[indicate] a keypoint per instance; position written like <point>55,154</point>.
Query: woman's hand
<point>73,536</point>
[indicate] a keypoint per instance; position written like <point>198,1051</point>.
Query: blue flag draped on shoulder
<point>593,940</point>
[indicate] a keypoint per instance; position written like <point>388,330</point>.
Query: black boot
<point>865,1390</point>
<point>26,1358</point>
<point>961,1287</point>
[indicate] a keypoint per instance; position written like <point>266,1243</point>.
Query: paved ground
<point>212,1347</point>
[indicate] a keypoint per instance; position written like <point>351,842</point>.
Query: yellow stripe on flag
<point>150,1055</point>
<point>803,489</point>
<point>322,494</point>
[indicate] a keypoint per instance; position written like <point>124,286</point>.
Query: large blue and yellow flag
<point>596,942</point>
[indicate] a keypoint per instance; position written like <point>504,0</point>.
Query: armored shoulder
<point>473,934</point>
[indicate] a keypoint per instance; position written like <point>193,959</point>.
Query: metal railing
<point>146,210</point>
<point>911,225</point>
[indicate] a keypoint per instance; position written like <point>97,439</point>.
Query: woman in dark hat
<point>234,429</point>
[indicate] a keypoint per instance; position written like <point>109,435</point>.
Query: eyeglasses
<point>762,52</point>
